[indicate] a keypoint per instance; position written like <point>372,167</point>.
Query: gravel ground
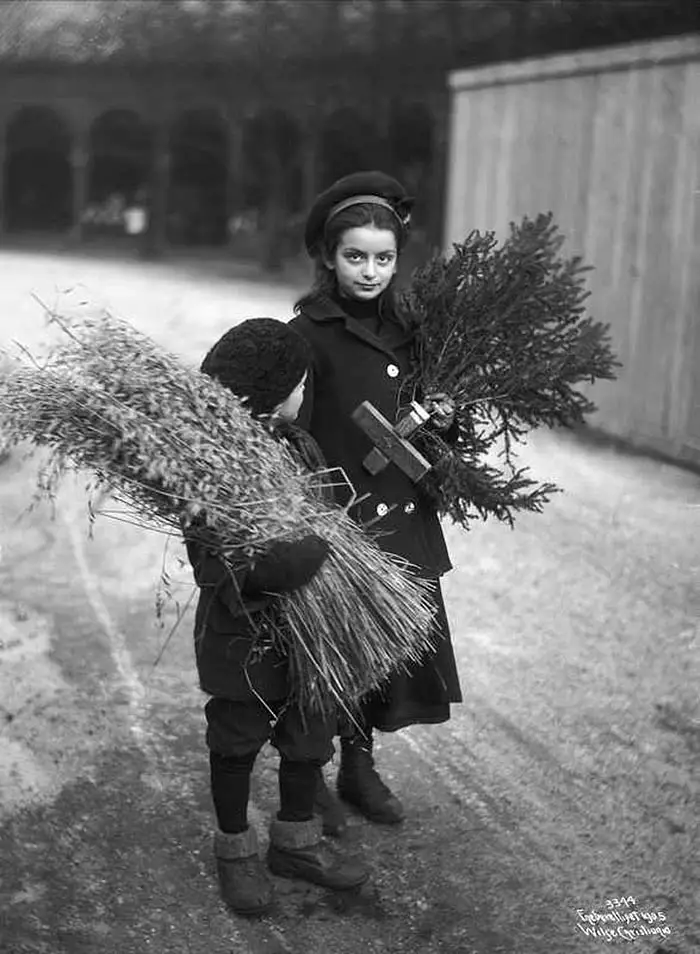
<point>568,779</point>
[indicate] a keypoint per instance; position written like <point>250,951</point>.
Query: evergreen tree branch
<point>502,330</point>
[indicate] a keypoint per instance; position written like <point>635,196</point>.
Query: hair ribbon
<point>364,200</point>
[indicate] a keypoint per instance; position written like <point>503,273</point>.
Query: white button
<point>409,507</point>
<point>392,371</point>
<point>382,510</point>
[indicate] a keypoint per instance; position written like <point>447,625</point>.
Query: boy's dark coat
<point>227,622</point>
<point>225,627</point>
<point>351,364</point>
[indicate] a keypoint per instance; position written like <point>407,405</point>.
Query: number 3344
<point>618,902</point>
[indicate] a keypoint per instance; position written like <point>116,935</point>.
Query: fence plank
<point>686,259</point>
<point>610,142</point>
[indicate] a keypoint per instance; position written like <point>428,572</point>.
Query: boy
<point>266,362</point>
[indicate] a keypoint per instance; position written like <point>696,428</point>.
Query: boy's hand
<point>441,410</point>
<point>287,565</point>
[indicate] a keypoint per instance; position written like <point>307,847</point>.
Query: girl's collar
<point>327,309</point>
<point>359,308</point>
<point>333,305</point>
<point>324,308</point>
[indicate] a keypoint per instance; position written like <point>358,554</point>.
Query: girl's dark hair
<point>356,216</point>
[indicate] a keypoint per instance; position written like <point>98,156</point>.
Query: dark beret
<point>374,183</point>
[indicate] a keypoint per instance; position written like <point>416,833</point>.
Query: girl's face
<point>364,261</point>
<point>289,409</point>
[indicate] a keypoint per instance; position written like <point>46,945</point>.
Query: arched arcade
<point>200,172</point>
<point>197,189</point>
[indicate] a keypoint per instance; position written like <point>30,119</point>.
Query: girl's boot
<point>360,784</point>
<point>298,851</point>
<point>244,883</point>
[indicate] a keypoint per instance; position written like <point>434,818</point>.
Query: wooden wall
<point>609,141</point>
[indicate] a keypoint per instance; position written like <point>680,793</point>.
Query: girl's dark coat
<point>351,364</point>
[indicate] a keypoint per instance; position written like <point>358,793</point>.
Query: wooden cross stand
<point>390,440</point>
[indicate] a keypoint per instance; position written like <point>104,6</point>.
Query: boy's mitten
<point>287,566</point>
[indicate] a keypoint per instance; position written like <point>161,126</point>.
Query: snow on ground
<point>567,778</point>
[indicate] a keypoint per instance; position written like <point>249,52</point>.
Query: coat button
<point>409,507</point>
<point>382,510</point>
<point>392,371</point>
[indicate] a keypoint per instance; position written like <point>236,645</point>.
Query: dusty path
<point>568,777</point>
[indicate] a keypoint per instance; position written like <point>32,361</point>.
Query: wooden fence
<point>609,141</point>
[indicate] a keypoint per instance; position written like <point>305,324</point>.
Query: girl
<point>361,349</point>
<point>266,362</point>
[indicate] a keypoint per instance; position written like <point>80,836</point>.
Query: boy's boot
<point>329,808</point>
<point>297,851</point>
<point>360,785</point>
<point>244,883</point>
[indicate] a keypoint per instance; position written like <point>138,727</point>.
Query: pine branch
<point>503,331</point>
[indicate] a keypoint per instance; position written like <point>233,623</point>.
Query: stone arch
<point>411,149</point>
<point>198,182</point>
<point>271,187</point>
<point>272,173</point>
<point>120,155</point>
<point>411,134</point>
<point>38,181</point>
<point>349,143</point>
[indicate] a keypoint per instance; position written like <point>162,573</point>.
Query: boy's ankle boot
<point>243,881</point>
<point>297,851</point>
<point>360,785</point>
<point>327,806</point>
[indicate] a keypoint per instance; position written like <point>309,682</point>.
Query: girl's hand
<point>441,410</point>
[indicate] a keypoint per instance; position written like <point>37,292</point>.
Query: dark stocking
<point>297,782</point>
<point>230,789</point>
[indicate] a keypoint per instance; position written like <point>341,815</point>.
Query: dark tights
<point>230,789</point>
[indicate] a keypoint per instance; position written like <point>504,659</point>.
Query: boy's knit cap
<point>261,359</point>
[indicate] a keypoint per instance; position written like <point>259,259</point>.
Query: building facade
<point>211,156</point>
